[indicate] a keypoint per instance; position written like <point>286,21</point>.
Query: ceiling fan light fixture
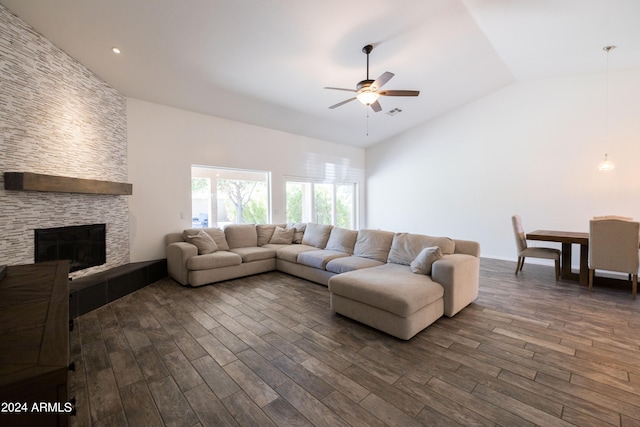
<point>367,97</point>
<point>367,91</point>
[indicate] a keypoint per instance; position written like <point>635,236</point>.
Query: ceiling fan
<point>368,91</point>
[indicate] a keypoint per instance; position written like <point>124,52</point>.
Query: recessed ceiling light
<point>115,50</point>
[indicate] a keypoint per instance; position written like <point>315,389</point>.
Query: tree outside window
<point>244,200</point>
<point>221,196</point>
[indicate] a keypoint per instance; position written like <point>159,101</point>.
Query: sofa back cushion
<point>241,235</point>
<point>342,240</point>
<point>216,233</point>
<point>373,244</point>
<point>316,235</point>
<point>406,247</point>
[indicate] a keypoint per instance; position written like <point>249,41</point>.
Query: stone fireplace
<point>57,118</point>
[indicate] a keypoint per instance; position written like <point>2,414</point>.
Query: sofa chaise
<point>398,283</point>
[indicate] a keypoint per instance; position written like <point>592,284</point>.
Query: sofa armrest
<point>459,275</point>
<point>173,238</point>
<point>468,247</point>
<point>178,254</point>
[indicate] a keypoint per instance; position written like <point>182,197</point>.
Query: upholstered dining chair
<point>524,251</point>
<point>613,246</point>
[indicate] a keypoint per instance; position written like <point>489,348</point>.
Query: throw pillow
<point>203,242</point>
<point>216,234</point>
<point>425,259</point>
<point>265,231</point>
<point>282,236</point>
<point>299,233</point>
<point>406,246</point>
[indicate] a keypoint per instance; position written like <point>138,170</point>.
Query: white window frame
<point>335,185</point>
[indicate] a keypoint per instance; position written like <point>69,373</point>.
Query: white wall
<point>531,148</point>
<point>164,142</point>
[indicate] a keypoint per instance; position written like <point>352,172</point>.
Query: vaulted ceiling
<point>265,62</point>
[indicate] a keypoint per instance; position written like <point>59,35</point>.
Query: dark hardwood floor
<point>265,350</point>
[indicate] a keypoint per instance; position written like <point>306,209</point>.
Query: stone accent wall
<point>57,118</point>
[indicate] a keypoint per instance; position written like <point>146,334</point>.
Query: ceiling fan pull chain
<point>367,122</point>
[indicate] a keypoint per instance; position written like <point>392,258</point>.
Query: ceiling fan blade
<point>380,81</point>
<point>340,88</point>
<point>399,93</point>
<point>376,106</point>
<point>341,103</point>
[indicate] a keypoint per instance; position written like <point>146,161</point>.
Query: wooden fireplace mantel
<point>27,181</point>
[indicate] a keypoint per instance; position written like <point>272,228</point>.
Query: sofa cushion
<point>342,240</point>
<point>265,231</point>
<point>290,252</point>
<point>241,235</point>
<point>425,259</point>
<point>390,287</point>
<point>300,229</point>
<point>216,233</point>
<point>319,259</point>
<point>374,244</point>
<point>406,247</point>
<point>203,242</point>
<point>282,236</point>
<point>215,260</point>
<point>254,253</point>
<point>350,263</point>
<point>316,235</point>
<point>275,247</point>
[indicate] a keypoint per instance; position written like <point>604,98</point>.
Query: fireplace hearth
<point>83,245</point>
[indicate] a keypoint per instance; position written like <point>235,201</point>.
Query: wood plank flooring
<point>265,350</point>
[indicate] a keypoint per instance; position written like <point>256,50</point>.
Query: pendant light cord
<point>607,165</point>
<point>606,118</point>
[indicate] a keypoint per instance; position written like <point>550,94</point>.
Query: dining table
<point>567,239</point>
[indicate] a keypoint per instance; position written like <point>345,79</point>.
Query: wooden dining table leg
<point>584,265</point>
<point>565,272</point>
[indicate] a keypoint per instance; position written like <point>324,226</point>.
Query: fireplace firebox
<point>83,245</point>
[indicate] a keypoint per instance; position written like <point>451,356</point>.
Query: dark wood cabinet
<point>34,345</point>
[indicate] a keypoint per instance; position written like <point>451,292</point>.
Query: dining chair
<point>613,246</point>
<point>535,252</point>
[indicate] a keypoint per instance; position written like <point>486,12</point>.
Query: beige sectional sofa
<point>399,283</point>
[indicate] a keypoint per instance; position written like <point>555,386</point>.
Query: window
<point>221,196</point>
<point>323,203</point>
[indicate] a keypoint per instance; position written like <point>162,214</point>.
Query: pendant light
<point>606,165</point>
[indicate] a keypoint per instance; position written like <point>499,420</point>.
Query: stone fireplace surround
<point>57,118</point>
